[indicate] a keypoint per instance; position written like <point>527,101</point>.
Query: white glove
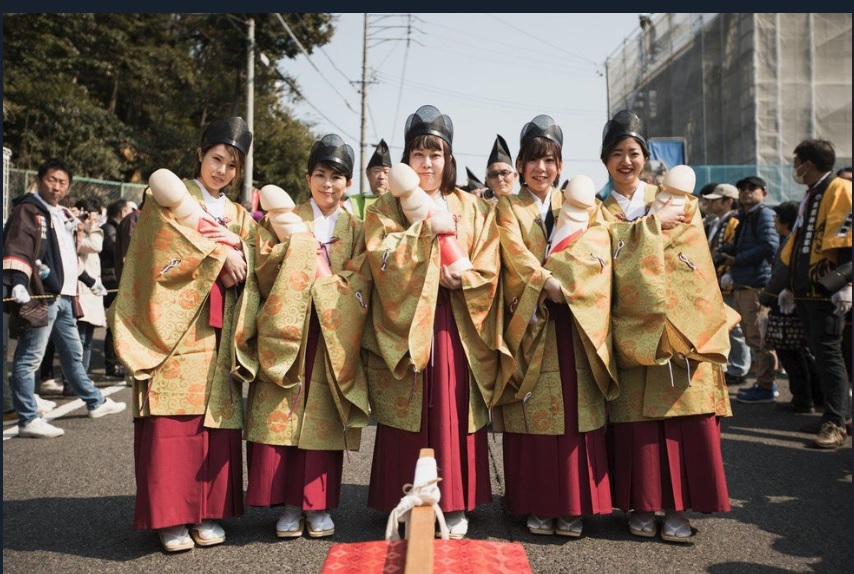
<point>786,302</point>
<point>20,295</point>
<point>842,299</point>
<point>726,281</point>
<point>98,289</point>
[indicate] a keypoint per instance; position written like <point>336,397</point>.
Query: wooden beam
<point>422,532</point>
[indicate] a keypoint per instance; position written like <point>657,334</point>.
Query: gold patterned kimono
<point>584,270</point>
<point>405,264</point>
<point>331,414</point>
<point>161,318</point>
<point>670,324</point>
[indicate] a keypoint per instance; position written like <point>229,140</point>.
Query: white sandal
<point>320,524</point>
<point>537,525</point>
<point>175,538</point>
<point>207,533</point>
<point>291,523</point>
<point>642,524</point>
<point>569,526</point>
<point>676,528</point>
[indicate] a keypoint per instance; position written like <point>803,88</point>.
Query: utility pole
<point>362,143</point>
<point>250,108</point>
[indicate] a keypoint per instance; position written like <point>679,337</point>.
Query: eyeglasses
<point>503,174</point>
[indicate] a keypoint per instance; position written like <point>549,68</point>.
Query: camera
<point>835,280</point>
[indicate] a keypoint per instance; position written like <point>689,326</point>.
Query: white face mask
<point>799,179</point>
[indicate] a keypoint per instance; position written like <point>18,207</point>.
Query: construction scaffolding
<point>742,89</point>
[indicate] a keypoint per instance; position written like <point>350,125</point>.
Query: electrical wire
<point>331,61</point>
<point>311,62</point>
<point>540,40</point>
<point>514,54</point>
<point>402,83</point>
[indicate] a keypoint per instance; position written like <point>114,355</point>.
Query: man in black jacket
<point>40,269</point>
<point>116,211</point>
<point>749,260</point>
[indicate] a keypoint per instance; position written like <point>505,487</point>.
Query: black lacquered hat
<point>381,156</point>
<point>542,126</point>
<point>473,182</point>
<point>500,152</point>
<point>331,148</point>
<point>428,120</point>
<point>232,131</point>
<point>624,123</point>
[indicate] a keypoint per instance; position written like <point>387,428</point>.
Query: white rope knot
<point>425,492</point>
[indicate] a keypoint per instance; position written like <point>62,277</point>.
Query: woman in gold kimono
<point>309,400</point>
<point>553,413</point>
<point>664,436</point>
<point>174,322</point>
<point>432,352</point>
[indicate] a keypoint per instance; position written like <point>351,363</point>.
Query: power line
<point>458,33</point>
<point>479,98</point>
<point>402,79</point>
<point>331,61</point>
<point>308,58</point>
<point>538,39</point>
<point>293,86</point>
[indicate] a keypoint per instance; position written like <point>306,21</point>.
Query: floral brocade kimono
<point>161,318</point>
<point>175,328</point>
<point>405,263</point>
<point>670,329</point>
<point>671,326</point>
<point>331,413</point>
<point>584,270</point>
<point>432,354</point>
<point>552,407</point>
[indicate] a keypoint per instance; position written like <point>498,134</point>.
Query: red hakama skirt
<point>670,464</point>
<point>307,479</point>
<point>462,457</point>
<point>185,472</point>
<point>558,475</point>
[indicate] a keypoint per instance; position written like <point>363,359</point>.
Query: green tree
<point>120,95</point>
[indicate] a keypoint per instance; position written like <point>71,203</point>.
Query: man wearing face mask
<point>819,243</point>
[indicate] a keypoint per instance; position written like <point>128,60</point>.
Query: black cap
<point>232,131</point>
<point>624,123</point>
<point>542,126</point>
<point>500,152</point>
<point>473,182</point>
<point>380,157</point>
<point>428,120</point>
<point>331,148</point>
<point>751,182</point>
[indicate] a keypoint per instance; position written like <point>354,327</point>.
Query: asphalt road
<point>68,507</point>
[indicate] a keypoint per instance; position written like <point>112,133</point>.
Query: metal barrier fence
<point>20,181</point>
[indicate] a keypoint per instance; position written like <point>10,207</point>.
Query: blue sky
<point>491,73</point>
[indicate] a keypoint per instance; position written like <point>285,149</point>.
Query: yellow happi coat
<point>584,270</point>
<point>279,411</point>
<point>831,227</point>
<point>161,318</point>
<point>669,320</point>
<point>405,264</point>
